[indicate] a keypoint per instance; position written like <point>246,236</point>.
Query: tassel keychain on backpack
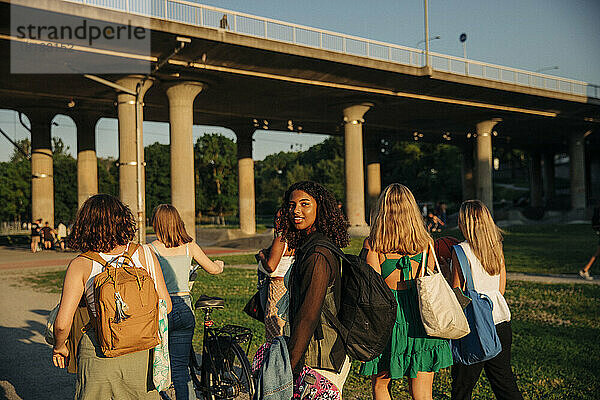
<point>121,308</point>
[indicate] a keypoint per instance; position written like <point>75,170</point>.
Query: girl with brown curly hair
<point>315,282</point>
<point>106,226</point>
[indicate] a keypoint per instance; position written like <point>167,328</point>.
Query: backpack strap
<point>341,330</point>
<point>465,266</point>
<point>131,249</point>
<point>95,256</point>
<point>331,247</point>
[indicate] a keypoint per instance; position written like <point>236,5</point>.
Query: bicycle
<point>224,372</point>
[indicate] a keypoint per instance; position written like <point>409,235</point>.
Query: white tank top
<point>97,268</point>
<point>488,285</point>
<point>282,267</point>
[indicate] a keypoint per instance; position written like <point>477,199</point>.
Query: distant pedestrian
<point>483,248</point>
<point>585,271</point>
<point>35,235</point>
<point>223,24</point>
<point>434,223</point>
<point>440,212</point>
<point>48,235</point>
<point>61,235</point>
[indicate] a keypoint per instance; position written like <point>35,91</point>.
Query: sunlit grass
<point>556,351</point>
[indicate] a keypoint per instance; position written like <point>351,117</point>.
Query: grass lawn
<point>544,249</point>
<point>556,351</point>
<point>556,328</point>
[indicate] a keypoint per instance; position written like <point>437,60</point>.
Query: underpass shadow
<point>36,326</point>
<point>26,364</point>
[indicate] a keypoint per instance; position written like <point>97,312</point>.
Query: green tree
<point>108,176</point>
<point>216,175</point>
<point>270,181</point>
<point>430,171</point>
<point>323,163</point>
<point>158,176</point>
<point>329,167</point>
<point>65,182</point>
<point>15,186</point>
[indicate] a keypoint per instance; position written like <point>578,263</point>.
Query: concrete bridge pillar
<point>355,184</point>
<point>128,147</point>
<point>181,118</point>
<point>468,178</point>
<point>87,161</point>
<point>548,177</point>
<point>535,180</point>
<point>373,172</point>
<point>247,201</point>
<point>42,171</point>
<point>577,170</point>
<point>483,182</point>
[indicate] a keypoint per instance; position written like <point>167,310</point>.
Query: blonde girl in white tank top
<point>483,248</point>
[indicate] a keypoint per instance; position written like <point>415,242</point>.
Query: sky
<point>526,34</point>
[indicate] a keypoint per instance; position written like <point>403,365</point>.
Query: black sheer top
<point>316,269</point>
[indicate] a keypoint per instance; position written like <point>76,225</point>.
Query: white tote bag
<point>441,313</point>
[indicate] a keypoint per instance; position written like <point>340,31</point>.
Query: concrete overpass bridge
<point>246,73</point>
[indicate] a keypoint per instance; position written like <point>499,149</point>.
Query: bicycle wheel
<point>226,371</point>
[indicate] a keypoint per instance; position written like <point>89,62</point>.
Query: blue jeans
<point>181,331</point>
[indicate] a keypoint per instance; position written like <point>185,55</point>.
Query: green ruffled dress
<point>410,349</point>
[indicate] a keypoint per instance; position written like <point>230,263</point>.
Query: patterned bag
<point>311,385</point>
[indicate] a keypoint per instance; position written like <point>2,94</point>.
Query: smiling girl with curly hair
<point>313,217</point>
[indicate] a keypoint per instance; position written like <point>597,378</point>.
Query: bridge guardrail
<point>213,17</point>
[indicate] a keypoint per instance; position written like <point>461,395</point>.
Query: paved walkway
<point>18,258</point>
<point>551,278</point>
<point>25,365</point>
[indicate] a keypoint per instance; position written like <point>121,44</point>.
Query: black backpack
<point>596,219</point>
<point>367,311</point>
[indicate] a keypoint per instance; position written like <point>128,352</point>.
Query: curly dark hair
<point>102,223</point>
<point>330,220</point>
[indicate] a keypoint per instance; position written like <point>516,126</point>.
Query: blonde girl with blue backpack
<point>483,250</point>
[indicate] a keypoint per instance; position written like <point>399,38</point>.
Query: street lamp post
<point>138,142</point>
<point>463,40</point>
<point>425,49</point>
<point>426,36</point>
<point>547,68</point>
<point>423,41</point>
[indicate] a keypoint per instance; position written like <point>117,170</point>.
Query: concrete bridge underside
<point>231,80</point>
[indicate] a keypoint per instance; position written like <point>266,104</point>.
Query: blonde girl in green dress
<point>397,244</point>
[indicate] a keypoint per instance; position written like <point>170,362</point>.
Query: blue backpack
<point>482,343</point>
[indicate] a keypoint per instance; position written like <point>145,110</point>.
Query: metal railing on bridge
<point>212,17</point>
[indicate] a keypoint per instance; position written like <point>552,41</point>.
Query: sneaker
<point>586,275</point>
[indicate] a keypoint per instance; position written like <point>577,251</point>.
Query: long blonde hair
<point>169,227</point>
<point>397,225</point>
<point>482,234</point>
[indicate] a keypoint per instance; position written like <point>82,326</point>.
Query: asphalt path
<point>26,370</point>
